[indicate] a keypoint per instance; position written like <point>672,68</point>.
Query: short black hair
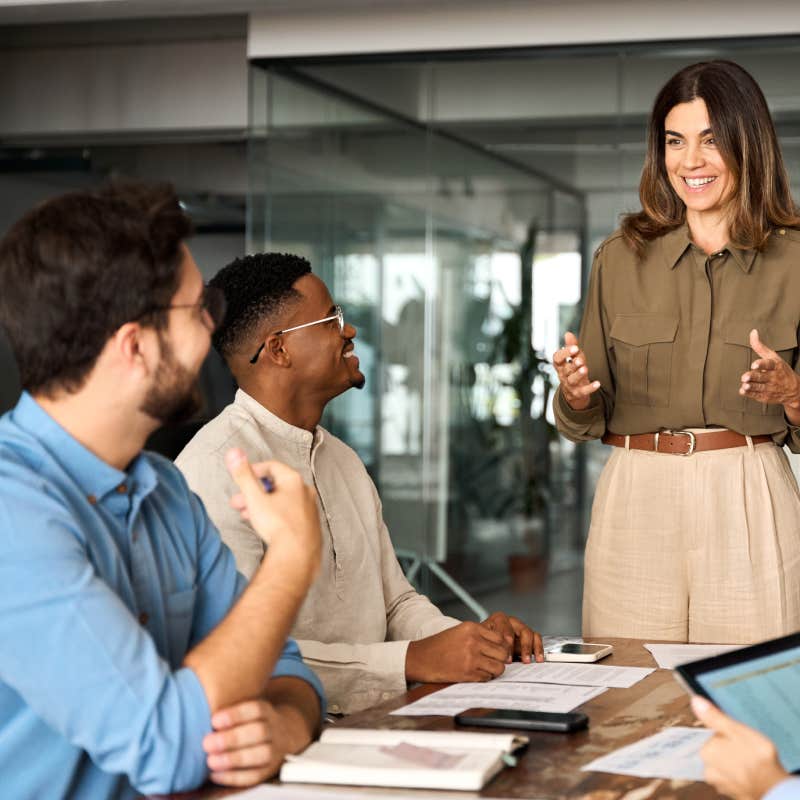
<point>256,287</point>
<point>77,267</point>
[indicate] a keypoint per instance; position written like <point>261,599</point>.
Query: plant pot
<point>526,571</point>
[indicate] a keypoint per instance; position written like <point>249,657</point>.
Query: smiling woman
<point>695,166</point>
<point>711,121</point>
<point>688,346</point>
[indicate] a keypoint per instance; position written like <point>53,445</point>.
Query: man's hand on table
<point>518,637</point>
<point>739,761</point>
<point>471,651</point>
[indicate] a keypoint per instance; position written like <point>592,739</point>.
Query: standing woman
<point>686,366</point>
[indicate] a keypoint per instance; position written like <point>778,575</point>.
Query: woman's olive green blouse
<point>667,336</point>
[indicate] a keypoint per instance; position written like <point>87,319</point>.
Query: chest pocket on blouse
<point>737,358</point>
<point>643,345</point>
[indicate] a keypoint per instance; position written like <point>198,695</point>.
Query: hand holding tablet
<point>758,686</point>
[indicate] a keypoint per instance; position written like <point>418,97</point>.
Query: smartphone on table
<point>522,720</point>
<point>579,651</point>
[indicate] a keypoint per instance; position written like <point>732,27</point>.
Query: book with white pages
<point>410,759</point>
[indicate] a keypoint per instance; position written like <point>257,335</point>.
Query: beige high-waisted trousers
<point>702,548</point>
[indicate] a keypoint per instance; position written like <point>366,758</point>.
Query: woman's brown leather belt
<point>683,443</point>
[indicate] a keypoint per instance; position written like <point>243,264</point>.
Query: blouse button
<point>143,618</point>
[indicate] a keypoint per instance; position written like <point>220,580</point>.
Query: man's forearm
<point>235,661</point>
<point>299,707</point>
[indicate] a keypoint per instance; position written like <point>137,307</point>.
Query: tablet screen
<point>763,692</point>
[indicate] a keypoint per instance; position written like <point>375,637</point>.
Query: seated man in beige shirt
<point>363,628</point>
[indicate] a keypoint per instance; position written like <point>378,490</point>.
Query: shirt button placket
<point>339,575</point>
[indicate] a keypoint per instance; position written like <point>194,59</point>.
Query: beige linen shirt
<point>354,627</point>
<point>668,336</point>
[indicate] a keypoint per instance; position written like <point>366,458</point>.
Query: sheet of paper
<point>673,753</point>
<point>498,694</point>
<point>668,656</point>
<point>572,674</point>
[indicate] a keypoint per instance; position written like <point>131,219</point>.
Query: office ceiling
<point>46,11</point>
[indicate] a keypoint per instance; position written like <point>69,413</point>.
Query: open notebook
<point>412,759</point>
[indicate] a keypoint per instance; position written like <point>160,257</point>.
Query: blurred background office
<point>447,167</point>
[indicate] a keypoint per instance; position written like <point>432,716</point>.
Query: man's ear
<point>136,348</point>
<point>275,351</point>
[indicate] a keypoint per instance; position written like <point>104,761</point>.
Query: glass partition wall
<point>459,268</point>
<point>452,202</point>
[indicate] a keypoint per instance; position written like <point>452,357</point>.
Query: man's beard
<point>175,395</point>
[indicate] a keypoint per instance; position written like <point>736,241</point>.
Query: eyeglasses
<point>338,316</point>
<point>211,302</point>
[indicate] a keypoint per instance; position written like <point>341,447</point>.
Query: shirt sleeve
<point>791,436</point>
<point>590,423</point>
<point>220,585</point>
<point>209,478</point>
<point>409,615</point>
<point>785,790</point>
<point>792,440</point>
<point>95,677</point>
<point>360,675</point>
<point>357,676</point>
<point>291,665</point>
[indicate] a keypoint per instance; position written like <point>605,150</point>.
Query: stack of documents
<point>575,674</point>
<point>408,758</point>
<point>497,694</point>
<point>530,687</point>
<point>288,791</point>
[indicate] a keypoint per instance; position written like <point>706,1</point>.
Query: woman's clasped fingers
<point>578,376</point>
<point>573,373</point>
<point>587,388</point>
<point>564,356</point>
<point>564,359</point>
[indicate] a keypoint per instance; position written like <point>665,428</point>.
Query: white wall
<point>505,23</point>
<point>124,88</point>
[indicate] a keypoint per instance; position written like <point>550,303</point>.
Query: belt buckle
<point>692,441</point>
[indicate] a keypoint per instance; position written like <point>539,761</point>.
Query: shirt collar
<point>95,477</point>
<point>744,257</point>
<point>274,424</point>
<point>674,244</point>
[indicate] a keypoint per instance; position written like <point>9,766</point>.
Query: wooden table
<point>550,767</point>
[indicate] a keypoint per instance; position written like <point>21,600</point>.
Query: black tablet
<point>758,685</point>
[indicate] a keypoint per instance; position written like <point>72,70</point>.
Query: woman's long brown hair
<point>746,138</point>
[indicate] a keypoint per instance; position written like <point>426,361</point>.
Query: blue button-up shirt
<point>107,579</point>
<point>786,790</point>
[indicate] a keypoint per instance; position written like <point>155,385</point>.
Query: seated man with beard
<point>363,627</point>
<point>133,657</point>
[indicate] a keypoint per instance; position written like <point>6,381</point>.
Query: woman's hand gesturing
<point>573,373</point>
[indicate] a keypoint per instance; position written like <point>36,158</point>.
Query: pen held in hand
<point>268,485</point>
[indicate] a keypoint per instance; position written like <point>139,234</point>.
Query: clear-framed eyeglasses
<point>211,305</point>
<point>338,316</point>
